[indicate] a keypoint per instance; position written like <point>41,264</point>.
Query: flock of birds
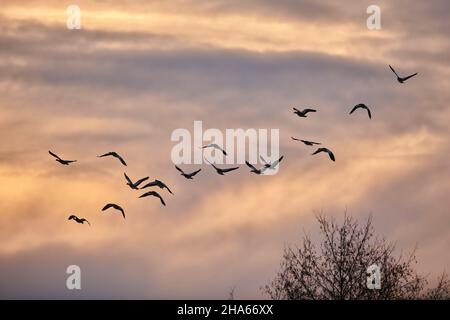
<point>267,165</point>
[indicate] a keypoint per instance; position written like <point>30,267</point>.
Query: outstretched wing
<point>295,139</point>
<point>194,173</point>
<point>72,217</point>
<point>406,78</point>
<point>179,170</point>
<point>370,113</point>
<point>318,151</point>
<point>354,108</point>
<point>83,220</point>
<point>229,169</point>
<point>277,162</point>
<point>150,184</point>
<point>263,160</point>
<point>331,155</point>
<point>250,165</point>
<point>393,70</point>
<point>115,154</point>
<point>305,111</point>
<point>109,205</point>
<point>54,155</point>
<point>140,181</point>
<point>128,179</point>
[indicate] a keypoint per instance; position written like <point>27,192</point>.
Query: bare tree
<point>337,268</point>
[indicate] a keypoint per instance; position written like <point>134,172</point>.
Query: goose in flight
<point>188,175</point>
<point>306,142</point>
<point>135,184</point>
<point>362,106</point>
<point>64,162</point>
<point>402,79</point>
<point>115,206</point>
<point>222,171</point>
<point>215,146</point>
<point>268,165</point>
<point>254,170</point>
<point>115,155</point>
<point>330,154</point>
<point>155,194</point>
<point>157,183</point>
<point>79,220</point>
<point>303,113</point>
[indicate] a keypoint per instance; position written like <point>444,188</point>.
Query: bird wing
<point>140,181</point>
<point>369,112</point>
<point>406,78</point>
<point>318,150</point>
<point>115,154</point>
<point>82,220</point>
<point>250,165</point>
<point>354,108</point>
<point>229,169</point>
<point>194,173</point>
<point>70,161</point>
<point>155,194</point>
<point>109,205</point>
<point>150,184</point>
<point>393,70</point>
<point>128,179</point>
<point>105,155</point>
<point>295,139</point>
<point>54,155</point>
<point>277,162</point>
<point>305,111</point>
<point>263,160</point>
<point>72,217</point>
<point>295,109</point>
<point>331,155</point>
<point>179,170</point>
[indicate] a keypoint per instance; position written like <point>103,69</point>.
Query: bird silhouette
<point>115,206</point>
<point>114,154</point>
<point>362,106</point>
<point>64,162</point>
<point>402,79</point>
<point>215,146</point>
<point>254,170</point>
<point>155,194</point>
<point>330,154</point>
<point>157,183</point>
<point>135,184</point>
<point>188,175</point>
<point>304,112</point>
<point>269,165</point>
<point>306,142</point>
<point>221,171</point>
<point>79,220</point>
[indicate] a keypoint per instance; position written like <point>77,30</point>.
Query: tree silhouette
<point>337,268</point>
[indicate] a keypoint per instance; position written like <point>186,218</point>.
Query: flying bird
<point>115,206</point>
<point>155,194</point>
<point>362,106</point>
<point>188,175</point>
<point>157,183</point>
<point>254,170</point>
<point>303,113</point>
<point>79,220</point>
<point>222,171</point>
<point>64,162</point>
<point>114,154</point>
<point>308,143</point>
<point>135,184</point>
<point>215,146</point>
<point>268,165</point>
<point>330,154</point>
<point>402,79</point>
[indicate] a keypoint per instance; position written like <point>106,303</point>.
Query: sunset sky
<point>137,70</point>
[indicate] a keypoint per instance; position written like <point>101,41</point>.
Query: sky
<point>137,70</point>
